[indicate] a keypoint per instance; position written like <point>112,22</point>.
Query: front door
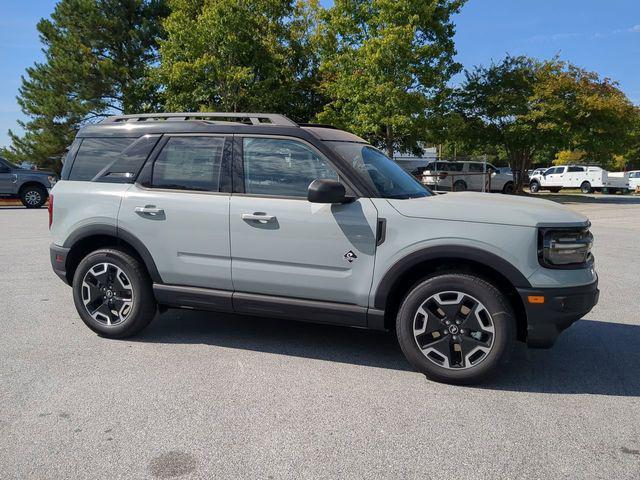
<point>7,185</point>
<point>281,244</point>
<point>180,212</point>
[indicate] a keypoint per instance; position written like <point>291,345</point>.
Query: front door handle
<point>150,210</point>
<point>258,217</point>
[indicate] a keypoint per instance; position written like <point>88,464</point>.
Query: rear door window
<point>189,163</point>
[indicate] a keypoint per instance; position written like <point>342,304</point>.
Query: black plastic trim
<point>455,252</point>
<point>118,233</point>
<point>561,308</point>
<point>381,231</point>
<point>58,256</point>
<point>300,309</point>
<point>193,297</point>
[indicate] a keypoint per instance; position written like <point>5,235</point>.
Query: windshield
<point>9,164</point>
<point>383,175</point>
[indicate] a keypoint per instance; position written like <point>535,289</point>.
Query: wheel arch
<point>33,183</point>
<point>94,237</point>
<point>405,273</point>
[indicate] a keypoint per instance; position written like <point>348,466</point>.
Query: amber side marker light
<point>535,298</point>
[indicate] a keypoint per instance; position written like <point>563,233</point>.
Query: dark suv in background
<point>30,186</point>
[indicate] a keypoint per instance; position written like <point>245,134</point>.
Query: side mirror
<point>326,191</point>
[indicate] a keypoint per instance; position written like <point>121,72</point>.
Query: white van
<point>461,176</point>
<point>587,179</point>
<point>634,180</point>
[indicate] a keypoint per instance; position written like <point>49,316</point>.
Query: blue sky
<point>603,36</point>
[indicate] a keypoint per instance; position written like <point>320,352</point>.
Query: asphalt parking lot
<point>202,395</point>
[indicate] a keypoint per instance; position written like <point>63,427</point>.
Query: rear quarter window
<point>113,160</point>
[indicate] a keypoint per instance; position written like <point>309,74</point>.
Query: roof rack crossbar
<point>254,118</point>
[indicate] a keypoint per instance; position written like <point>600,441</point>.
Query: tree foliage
<point>236,55</point>
<point>530,106</point>
<point>98,54</point>
<point>383,65</point>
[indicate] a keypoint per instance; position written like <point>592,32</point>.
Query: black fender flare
<point>120,234</point>
<point>454,252</point>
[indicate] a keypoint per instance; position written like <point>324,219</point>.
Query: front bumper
<point>561,308</point>
<point>58,257</point>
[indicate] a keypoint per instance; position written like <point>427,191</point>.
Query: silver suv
<point>255,214</point>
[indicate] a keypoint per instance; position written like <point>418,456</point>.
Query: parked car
<point>313,224</point>
<point>587,179</point>
<point>30,186</point>
<point>634,180</point>
<point>466,175</point>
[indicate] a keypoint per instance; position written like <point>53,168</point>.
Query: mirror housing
<point>324,190</point>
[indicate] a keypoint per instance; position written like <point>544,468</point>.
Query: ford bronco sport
<point>255,214</point>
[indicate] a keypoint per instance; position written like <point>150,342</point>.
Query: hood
<point>490,208</point>
<point>24,171</point>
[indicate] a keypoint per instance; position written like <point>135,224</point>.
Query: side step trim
<point>315,311</point>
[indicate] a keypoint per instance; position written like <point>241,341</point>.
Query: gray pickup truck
<point>30,186</point>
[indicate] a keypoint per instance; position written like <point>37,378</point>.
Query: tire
<point>121,306</point>
<point>585,187</point>
<point>534,186</point>
<point>33,196</point>
<point>480,352</point>
<point>460,186</point>
<point>508,188</point>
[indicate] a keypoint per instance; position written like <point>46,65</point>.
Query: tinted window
<point>189,163</point>
<point>477,167</point>
<point>383,175</point>
<point>576,169</point>
<point>95,154</point>
<point>282,167</point>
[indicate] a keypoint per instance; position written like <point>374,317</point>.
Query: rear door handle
<point>149,210</point>
<point>258,217</point>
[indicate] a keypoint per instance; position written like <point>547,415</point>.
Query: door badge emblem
<point>350,256</point>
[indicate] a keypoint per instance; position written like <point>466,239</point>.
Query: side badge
<point>350,256</point>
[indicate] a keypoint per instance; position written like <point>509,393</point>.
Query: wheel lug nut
<point>447,322</point>
<point>457,322</point>
<point>461,331</point>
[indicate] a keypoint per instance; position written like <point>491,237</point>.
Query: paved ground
<point>213,396</point>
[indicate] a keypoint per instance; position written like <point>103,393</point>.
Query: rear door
<point>281,244</point>
<point>179,209</point>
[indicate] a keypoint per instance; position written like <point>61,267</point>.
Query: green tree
<point>383,66</point>
<point>98,54</point>
<point>238,55</point>
<point>529,107</point>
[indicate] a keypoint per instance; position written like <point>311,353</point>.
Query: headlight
<point>565,247</point>
<point>52,180</point>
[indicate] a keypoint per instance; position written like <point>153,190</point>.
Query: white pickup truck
<point>587,179</point>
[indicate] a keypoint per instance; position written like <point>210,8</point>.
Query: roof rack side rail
<point>254,118</point>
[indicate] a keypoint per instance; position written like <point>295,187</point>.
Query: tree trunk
<point>388,137</point>
<point>522,161</point>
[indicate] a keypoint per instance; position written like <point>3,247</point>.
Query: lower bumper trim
<point>58,257</point>
<point>561,308</point>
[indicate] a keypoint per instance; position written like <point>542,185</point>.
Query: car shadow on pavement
<point>591,357</point>
<point>283,337</point>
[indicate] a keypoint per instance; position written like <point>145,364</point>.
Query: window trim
<point>145,177</point>
<point>238,167</point>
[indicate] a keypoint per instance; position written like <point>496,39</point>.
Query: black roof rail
<point>240,117</point>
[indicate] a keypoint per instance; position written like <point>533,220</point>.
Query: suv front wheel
<point>113,294</point>
<point>456,328</point>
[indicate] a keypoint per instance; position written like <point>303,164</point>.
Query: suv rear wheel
<point>112,293</point>
<point>33,196</point>
<point>456,328</point>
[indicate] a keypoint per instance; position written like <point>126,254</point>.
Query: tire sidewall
<point>460,186</point>
<point>498,308</point>
<point>534,187</point>
<point>585,187</point>
<point>139,283</point>
<point>43,196</point>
